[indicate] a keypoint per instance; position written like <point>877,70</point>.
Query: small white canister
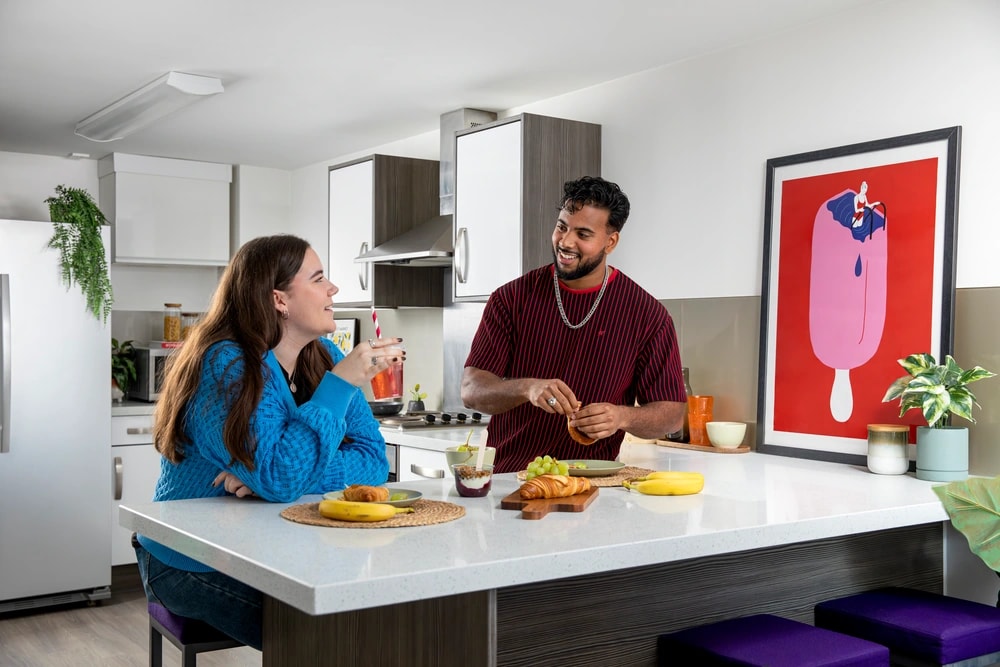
<point>888,451</point>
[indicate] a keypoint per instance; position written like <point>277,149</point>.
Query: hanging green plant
<point>81,250</point>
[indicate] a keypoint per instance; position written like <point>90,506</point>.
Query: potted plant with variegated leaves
<point>938,391</point>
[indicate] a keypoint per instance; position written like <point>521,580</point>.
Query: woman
<point>258,402</point>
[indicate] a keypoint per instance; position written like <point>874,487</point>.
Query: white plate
<point>411,497</point>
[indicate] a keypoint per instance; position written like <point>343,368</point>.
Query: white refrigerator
<point>55,429</point>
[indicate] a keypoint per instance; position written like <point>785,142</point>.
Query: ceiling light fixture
<point>153,101</point>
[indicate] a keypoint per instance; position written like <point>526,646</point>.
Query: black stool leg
<point>155,646</point>
<point>189,657</point>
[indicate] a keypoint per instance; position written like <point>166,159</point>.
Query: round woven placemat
<point>425,513</point>
<point>628,472</point>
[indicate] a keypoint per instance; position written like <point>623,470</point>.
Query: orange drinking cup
<point>388,385</point>
<point>699,414</point>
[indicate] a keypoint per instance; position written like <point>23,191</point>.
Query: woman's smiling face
<point>309,300</point>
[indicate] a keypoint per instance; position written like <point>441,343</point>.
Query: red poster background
<point>802,383</point>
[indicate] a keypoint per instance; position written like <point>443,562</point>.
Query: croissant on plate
<point>553,486</point>
<point>366,494</point>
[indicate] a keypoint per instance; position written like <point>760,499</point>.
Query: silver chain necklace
<point>593,309</point>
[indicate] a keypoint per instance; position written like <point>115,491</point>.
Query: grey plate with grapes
<point>403,497</point>
<point>593,468</point>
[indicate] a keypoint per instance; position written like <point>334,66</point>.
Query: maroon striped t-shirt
<point>626,352</point>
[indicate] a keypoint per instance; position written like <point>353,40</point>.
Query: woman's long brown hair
<point>242,311</point>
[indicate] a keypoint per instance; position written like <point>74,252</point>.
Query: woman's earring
<point>284,314</point>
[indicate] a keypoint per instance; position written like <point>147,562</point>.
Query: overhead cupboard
<point>372,200</point>
<point>165,211</point>
<point>509,177</point>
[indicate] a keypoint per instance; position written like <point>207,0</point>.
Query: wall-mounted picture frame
<point>346,334</point>
<point>858,272</point>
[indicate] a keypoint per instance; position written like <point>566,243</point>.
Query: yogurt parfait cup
<point>472,483</point>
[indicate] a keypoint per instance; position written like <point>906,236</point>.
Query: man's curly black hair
<point>597,192</point>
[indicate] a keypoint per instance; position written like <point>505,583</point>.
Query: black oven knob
<point>430,419</point>
<point>477,416</point>
<point>445,418</point>
<point>461,417</point>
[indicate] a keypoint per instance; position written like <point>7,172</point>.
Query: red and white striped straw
<point>378,329</point>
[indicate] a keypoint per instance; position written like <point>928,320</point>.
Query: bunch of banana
<point>346,510</point>
<point>667,483</point>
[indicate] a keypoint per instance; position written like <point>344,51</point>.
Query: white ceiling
<point>310,80</point>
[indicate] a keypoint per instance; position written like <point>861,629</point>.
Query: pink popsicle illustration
<point>847,291</point>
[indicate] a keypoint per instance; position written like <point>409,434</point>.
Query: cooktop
<point>433,420</point>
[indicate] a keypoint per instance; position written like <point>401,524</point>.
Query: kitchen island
<point>767,533</point>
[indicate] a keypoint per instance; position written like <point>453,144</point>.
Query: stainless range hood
<point>430,243</point>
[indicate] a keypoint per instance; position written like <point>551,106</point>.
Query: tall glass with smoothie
<point>388,384</point>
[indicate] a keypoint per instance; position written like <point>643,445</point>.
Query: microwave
<point>149,363</point>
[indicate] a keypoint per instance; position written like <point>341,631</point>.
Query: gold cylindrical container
<point>171,322</point>
<point>888,451</point>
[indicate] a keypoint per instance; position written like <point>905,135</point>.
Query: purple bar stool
<point>765,640</point>
<point>919,628</point>
<point>190,636</point>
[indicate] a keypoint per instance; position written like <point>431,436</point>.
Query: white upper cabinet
<point>373,200</point>
<point>352,211</point>
<point>166,211</point>
<point>509,178</point>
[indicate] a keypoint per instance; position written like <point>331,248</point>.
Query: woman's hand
<point>232,484</point>
<point>368,359</point>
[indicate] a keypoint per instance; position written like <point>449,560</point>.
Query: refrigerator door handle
<point>5,355</point>
<point>119,473</point>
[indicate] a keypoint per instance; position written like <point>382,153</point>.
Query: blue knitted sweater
<point>328,442</point>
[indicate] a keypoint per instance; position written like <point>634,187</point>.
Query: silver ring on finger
<point>374,361</point>
<point>371,343</point>
<point>552,401</point>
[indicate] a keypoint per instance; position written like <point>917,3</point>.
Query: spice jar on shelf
<point>171,322</point>
<point>188,320</point>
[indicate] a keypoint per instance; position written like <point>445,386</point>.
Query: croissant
<point>553,486</point>
<point>366,494</point>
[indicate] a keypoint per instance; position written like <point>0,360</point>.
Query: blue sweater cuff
<point>334,393</point>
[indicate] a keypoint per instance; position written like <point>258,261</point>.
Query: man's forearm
<point>485,392</point>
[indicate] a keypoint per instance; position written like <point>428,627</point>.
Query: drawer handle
<point>430,473</point>
<point>119,473</point>
<point>135,430</point>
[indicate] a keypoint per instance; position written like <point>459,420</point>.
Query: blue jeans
<point>215,598</point>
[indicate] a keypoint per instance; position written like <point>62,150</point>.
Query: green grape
<point>538,459</point>
<point>399,496</point>
<point>563,468</point>
<point>547,458</point>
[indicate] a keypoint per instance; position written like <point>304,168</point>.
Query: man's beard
<point>585,268</point>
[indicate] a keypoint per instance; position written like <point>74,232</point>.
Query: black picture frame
<point>893,203</point>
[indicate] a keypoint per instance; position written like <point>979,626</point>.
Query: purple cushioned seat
<point>916,625</point>
<point>190,636</point>
<point>768,640</point>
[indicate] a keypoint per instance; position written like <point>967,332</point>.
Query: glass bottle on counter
<point>684,434</point>
<point>171,322</point>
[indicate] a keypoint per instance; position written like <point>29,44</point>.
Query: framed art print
<point>346,334</point>
<point>858,272</point>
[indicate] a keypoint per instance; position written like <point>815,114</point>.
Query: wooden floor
<point>111,633</point>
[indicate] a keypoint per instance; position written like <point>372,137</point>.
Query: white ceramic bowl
<point>468,457</point>
<point>726,435</point>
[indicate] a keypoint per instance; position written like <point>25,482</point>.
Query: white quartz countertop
<point>436,439</point>
<point>750,501</point>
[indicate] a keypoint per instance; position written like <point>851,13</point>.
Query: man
<point>576,341</point>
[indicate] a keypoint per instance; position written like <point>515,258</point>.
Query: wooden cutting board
<point>536,509</point>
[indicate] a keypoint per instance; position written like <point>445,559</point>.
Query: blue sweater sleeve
<point>326,443</point>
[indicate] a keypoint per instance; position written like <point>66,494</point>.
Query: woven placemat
<point>628,472</point>
<point>425,513</point>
